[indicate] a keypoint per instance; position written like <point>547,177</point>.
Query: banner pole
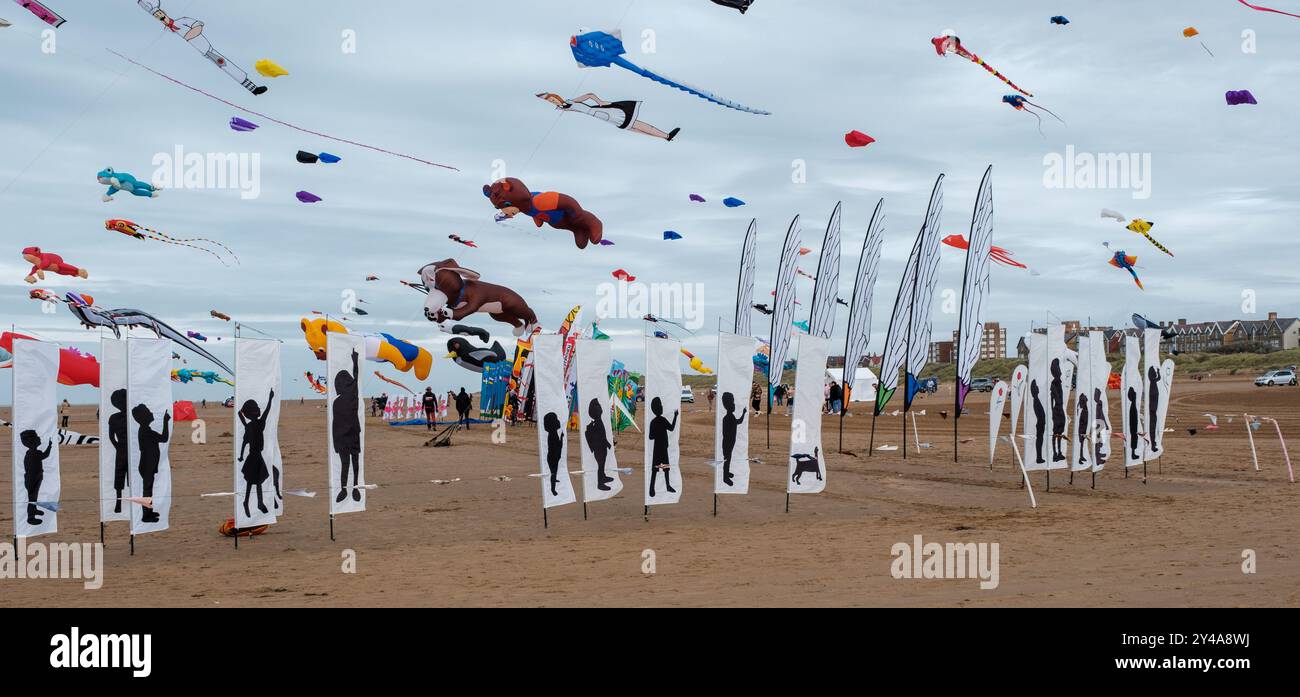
<point>787,502</point>
<point>331,527</point>
<point>133,544</point>
<point>101,532</point>
<point>584,510</point>
<point>646,513</point>
<point>715,505</point>
<point>546,523</point>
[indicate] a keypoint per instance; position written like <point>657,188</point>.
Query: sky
<point>454,83</point>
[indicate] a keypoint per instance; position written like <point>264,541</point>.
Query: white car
<point>687,394</point>
<point>1276,377</point>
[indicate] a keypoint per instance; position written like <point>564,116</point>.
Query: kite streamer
<point>275,120</point>
<point>126,227</point>
<point>391,381</point>
<point>1267,9</point>
<point>951,44</point>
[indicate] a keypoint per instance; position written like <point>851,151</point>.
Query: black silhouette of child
<point>1083,428</point>
<point>150,453</point>
<point>33,471</point>
<point>1040,420</point>
<point>729,424</point>
<point>1133,422</point>
<point>1153,409</point>
<point>658,433</point>
<point>117,438</point>
<point>253,419</point>
<point>598,443</point>
<point>1058,411</point>
<point>346,432</point>
<point>1099,414</point>
<point>554,445</point>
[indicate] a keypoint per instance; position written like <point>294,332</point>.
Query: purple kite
<point>697,198</point>
<point>241,125</point>
<point>307,197</point>
<point>1236,97</point>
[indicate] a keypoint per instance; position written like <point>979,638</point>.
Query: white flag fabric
<point>975,288</point>
<point>552,402</point>
<point>347,423</point>
<point>1019,379</point>
<point>745,281</point>
<point>1131,387</point>
<point>1100,400</point>
<point>826,289</point>
<point>35,437</point>
<point>1156,398</point>
<point>807,462</point>
<point>860,306</point>
<point>997,400</point>
<point>731,414</point>
<point>1060,373</point>
<point>1038,448</point>
<point>114,420</point>
<point>600,476</point>
<point>783,304</point>
<point>1083,439</point>
<point>148,432</point>
<point>663,427</point>
<point>258,466</point>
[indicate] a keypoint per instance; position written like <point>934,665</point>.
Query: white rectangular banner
<point>600,476</point>
<point>997,402</point>
<point>258,466</point>
<point>1085,425</point>
<point>347,422</point>
<point>1156,397</point>
<point>731,414</point>
<point>552,404</point>
<point>148,432</point>
<point>114,420</point>
<point>807,464</point>
<point>1060,373</point>
<point>1131,387</point>
<point>663,398</point>
<point>1037,448</point>
<point>35,431</point>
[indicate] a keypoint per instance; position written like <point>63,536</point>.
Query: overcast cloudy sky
<point>454,83</point>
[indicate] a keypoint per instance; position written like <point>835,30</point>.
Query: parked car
<point>687,394</point>
<point>981,385</point>
<point>1276,377</point>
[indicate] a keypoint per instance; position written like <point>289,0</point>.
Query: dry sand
<point>1175,541</point>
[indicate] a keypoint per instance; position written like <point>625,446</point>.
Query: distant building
<point>941,352</point>
<point>1272,334</point>
<point>993,342</point>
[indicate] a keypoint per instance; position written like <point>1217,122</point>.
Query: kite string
<point>278,121</point>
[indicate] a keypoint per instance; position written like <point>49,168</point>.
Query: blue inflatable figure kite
<point>121,181</point>
<point>599,49</point>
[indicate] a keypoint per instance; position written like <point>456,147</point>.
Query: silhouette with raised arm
<point>253,419</point>
<point>150,444</point>
<point>346,431</point>
<point>33,471</point>
<point>730,422</point>
<point>658,432</point>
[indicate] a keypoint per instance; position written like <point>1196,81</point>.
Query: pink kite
<point>45,14</point>
<point>1267,9</point>
<point>857,139</point>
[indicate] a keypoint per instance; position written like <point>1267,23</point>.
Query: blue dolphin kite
<point>599,49</point>
<point>121,181</point>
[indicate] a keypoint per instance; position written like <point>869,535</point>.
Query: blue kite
<point>670,235</point>
<point>1059,19</point>
<point>121,181</point>
<point>599,49</point>
<point>732,202</point>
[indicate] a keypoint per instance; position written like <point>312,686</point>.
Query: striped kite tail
<point>998,75</point>
<point>1159,246</point>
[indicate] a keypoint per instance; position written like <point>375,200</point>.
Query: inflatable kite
<point>83,307</point>
<point>1190,32</point>
<point>139,232</point>
<point>670,235</point>
<point>196,336</point>
<point>75,367</point>
<point>1236,97</point>
<point>511,197</point>
<point>466,330</point>
<point>186,375</point>
<point>697,198</point>
<point>732,202</point>
<point>948,43</point>
<point>474,358</point>
<point>1143,228</point>
<point>4,23</point>
<point>1060,19</point>
<point>1259,8</point>
<point>42,262</point>
<point>1123,261</point>
<point>1108,213</point>
<point>308,158</point>
<point>242,125</point>
<point>42,12</point>
<point>622,275</point>
<point>457,239</point>
<point>121,181</point>
<point>380,348</point>
<point>599,49</point>
<point>741,5</point>
<point>858,139</point>
<point>696,364</point>
<point>623,115</point>
<point>308,197</point>
<point>456,293</point>
<point>762,307</point>
<point>219,315</point>
<point>1021,104</point>
<point>317,384</point>
<point>191,30</point>
<point>269,68</point>
<point>997,254</point>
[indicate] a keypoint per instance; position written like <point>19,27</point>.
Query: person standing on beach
<point>463,404</point>
<point>63,413</point>
<point>430,403</point>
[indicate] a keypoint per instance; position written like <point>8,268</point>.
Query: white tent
<point>864,383</point>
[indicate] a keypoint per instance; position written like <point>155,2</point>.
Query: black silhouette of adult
<point>1040,419</point>
<point>117,438</point>
<point>1133,422</point>
<point>1083,428</point>
<point>253,418</point>
<point>150,444</point>
<point>1103,423</point>
<point>33,471</point>
<point>463,404</point>
<point>730,422</point>
<point>1058,411</point>
<point>658,432</point>
<point>598,443</point>
<point>554,447</point>
<point>1154,436</point>
<point>346,432</point>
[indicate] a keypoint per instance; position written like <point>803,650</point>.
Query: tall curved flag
<point>864,286</point>
<point>927,276</point>
<point>827,287</point>
<point>783,304</point>
<point>745,282</point>
<point>975,286</point>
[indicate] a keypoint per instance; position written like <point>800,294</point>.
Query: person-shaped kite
<point>42,262</point>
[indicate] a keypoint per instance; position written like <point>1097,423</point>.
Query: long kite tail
<point>166,239</point>
<point>1040,121</point>
<point>1136,280</point>
<point>1043,108</point>
<point>1159,246</point>
<point>702,94</point>
<point>1267,9</point>
<point>199,239</point>
<point>980,62</point>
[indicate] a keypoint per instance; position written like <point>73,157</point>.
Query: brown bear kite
<point>456,293</point>
<point>560,211</point>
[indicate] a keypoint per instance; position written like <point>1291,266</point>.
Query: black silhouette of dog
<point>804,463</point>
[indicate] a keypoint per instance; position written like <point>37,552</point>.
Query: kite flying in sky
<point>1262,9</point>
<point>42,12</point>
<point>1143,228</point>
<point>599,49</point>
<point>139,232</point>
<point>269,68</point>
<point>1190,32</point>
<point>1237,97</point>
<point>996,253</point>
<point>185,375</point>
<point>741,5</point>
<point>191,30</point>
<point>949,43</point>
<point>511,196</point>
<point>457,239</point>
<point>242,125</point>
<point>1126,262</point>
<point>308,158</point>
<point>622,115</point>
<point>1019,103</point>
<point>43,261</point>
<point>456,293</point>
<point>858,139</point>
<point>121,181</point>
<point>1060,19</point>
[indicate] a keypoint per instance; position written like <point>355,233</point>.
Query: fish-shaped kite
<point>996,253</point>
<point>1143,228</point>
<point>600,49</point>
<point>1126,262</point>
<point>949,43</point>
